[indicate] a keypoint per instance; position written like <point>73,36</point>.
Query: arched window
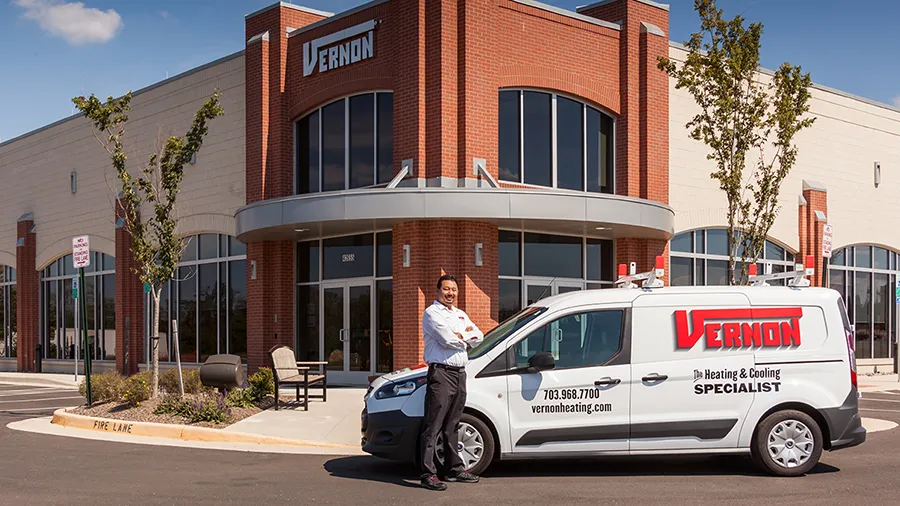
<point>58,327</point>
<point>8,341</point>
<point>346,144</point>
<point>208,300</point>
<point>546,139</point>
<point>864,275</point>
<point>700,257</point>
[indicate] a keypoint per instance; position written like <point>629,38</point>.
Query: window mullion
<point>347,143</point>
<point>553,141</point>
<point>521,136</point>
<point>375,136</point>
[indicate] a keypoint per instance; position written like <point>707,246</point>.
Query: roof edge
<point>340,15</point>
<point>569,14</point>
<point>289,6</point>
<point>651,3</point>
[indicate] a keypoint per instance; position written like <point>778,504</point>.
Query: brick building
<point>523,148</point>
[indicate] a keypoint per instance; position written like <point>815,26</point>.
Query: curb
<point>63,418</point>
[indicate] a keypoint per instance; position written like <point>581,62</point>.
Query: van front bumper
<point>390,435</point>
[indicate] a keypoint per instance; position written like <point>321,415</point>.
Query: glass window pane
<point>700,241</point>
<point>333,177</point>
<point>863,256</point>
<point>50,322</point>
<point>308,323</point>
<point>109,314</point>
<point>109,263</point>
<point>54,269</point>
<point>509,148</point>
<point>385,137</point>
<point>578,340</point>
<point>209,246</point>
<point>187,313</point>
<point>553,256</point>
<point>863,310</point>
<point>682,271</point>
<point>190,249</point>
<point>508,244</point>
<point>682,242</point>
<point>883,302</point>
<point>569,144</point>
<point>599,152</point>
<point>534,343</point>
<point>881,259</point>
<point>69,330</point>
<point>91,293</point>
<point>362,140</point>
<point>837,281</point>
<point>599,259</point>
<point>67,267</point>
<point>717,272</point>
<point>236,247</point>
<point>837,257</point>
<point>699,272</point>
<point>384,322</point>
<point>538,158</point>
<point>717,241</point>
<point>774,251</point>
<point>308,154</point>
<point>237,297</point>
<point>510,291</point>
<point>348,257</point>
<point>223,307</point>
<point>307,261</point>
<point>165,344</point>
<point>12,318</point>
<point>208,308</point>
<point>607,267</point>
<point>385,258</point>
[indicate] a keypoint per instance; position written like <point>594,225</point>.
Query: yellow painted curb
<point>171,431</point>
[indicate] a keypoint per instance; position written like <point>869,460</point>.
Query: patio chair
<point>287,371</point>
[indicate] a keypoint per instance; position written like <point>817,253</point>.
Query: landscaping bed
<point>119,398</point>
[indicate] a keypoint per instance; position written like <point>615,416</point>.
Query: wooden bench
<point>287,371</point>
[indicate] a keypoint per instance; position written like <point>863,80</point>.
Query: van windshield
<point>507,327</point>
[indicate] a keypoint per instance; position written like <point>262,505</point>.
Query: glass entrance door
<point>537,289</point>
<point>347,314</point>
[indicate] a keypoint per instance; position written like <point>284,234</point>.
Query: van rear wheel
<point>787,443</point>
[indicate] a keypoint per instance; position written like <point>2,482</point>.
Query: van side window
<point>577,340</point>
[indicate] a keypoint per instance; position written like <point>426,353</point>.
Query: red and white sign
<point>739,327</point>
<point>81,251</point>
<point>826,241</point>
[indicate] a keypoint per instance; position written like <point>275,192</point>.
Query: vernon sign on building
<point>352,51</point>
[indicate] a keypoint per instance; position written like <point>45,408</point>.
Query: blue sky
<point>52,50</point>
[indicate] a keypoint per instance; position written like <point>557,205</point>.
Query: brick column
<point>129,301</point>
<point>813,217</point>
<point>643,252</point>
<point>27,317</point>
<point>270,300</point>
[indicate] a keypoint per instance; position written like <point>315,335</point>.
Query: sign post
<point>77,325</point>
<point>827,231</point>
<point>81,258</point>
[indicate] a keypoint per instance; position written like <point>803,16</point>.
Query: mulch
<point>144,412</point>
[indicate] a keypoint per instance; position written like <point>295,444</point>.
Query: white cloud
<point>72,20</point>
<point>164,14</point>
<point>896,101</point>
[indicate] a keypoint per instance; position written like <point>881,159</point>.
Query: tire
<point>789,430</point>
<point>471,429</point>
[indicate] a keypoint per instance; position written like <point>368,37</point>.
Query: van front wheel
<point>475,446</point>
<point>787,443</point>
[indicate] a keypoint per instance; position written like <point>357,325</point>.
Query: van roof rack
<point>796,278</point>
<point>651,279</point>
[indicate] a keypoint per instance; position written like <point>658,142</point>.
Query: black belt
<point>448,367</point>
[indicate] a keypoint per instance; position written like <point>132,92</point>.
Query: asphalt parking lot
<point>32,401</point>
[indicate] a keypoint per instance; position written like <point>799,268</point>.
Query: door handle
<point>343,340</point>
<point>655,377</point>
<point>607,381</point>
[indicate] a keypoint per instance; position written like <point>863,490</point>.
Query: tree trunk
<point>154,340</point>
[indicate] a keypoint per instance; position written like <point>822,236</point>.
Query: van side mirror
<point>542,361</point>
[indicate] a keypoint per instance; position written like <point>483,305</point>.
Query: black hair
<point>446,277</point>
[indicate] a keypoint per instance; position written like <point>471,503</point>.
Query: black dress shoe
<point>433,483</point>
<point>463,477</point>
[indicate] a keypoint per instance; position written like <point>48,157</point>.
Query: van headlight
<point>401,388</point>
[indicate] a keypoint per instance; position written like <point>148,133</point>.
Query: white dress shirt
<point>440,325</point>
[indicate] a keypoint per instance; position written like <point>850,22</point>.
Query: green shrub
<point>168,381</point>
<point>240,398</point>
<point>210,408</point>
<point>171,404</point>
<point>105,387</point>
<point>262,383</point>
<point>137,389</point>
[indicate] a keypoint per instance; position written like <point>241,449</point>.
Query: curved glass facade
<point>700,257</point>
<point>865,276</point>
<point>346,144</point>
<point>207,299</point>
<point>8,341</point>
<point>547,139</point>
<point>58,328</point>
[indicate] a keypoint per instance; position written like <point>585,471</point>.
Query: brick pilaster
<point>643,252</point>
<point>27,317</point>
<point>129,301</point>
<point>270,300</point>
<point>813,217</point>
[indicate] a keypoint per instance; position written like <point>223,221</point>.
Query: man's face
<point>447,293</point>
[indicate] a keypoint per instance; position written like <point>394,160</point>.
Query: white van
<point>762,370</point>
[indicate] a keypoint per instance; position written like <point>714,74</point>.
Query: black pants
<point>445,399</point>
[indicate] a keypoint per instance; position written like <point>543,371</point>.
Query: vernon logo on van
<point>352,51</point>
<point>730,328</point>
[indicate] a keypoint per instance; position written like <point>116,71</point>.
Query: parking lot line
<point>15,393</point>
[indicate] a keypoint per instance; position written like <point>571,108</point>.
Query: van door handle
<point>607,381</point>
<point>655,377</point>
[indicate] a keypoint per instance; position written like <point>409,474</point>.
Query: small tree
<point>156,245</point>
<point>738,116</point>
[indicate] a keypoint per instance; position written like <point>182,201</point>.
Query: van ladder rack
<point>651,278</point>
<point>796,278</point>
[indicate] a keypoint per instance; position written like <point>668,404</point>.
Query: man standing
<point>447,332</point>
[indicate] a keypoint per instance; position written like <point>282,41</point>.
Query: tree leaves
<point>737,117</point>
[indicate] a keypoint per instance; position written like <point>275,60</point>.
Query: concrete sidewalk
<point>877,383</point>
<point>41,379</point>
